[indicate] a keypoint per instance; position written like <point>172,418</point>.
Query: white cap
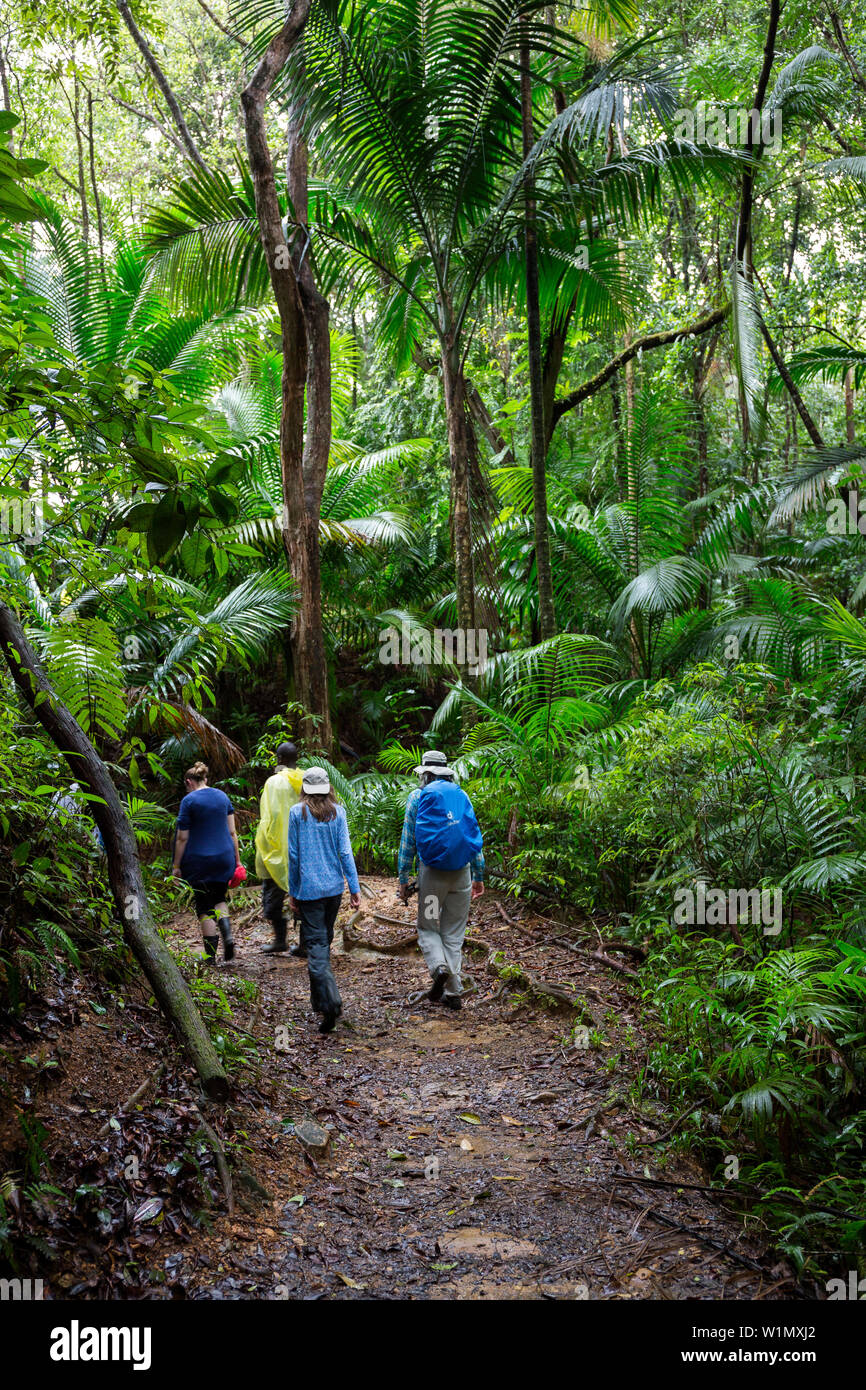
<point>316,782</point>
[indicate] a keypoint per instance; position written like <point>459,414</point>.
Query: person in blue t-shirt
<point>320,858</point>
<point>206,855</point>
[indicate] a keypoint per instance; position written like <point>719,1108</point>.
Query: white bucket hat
<point>316,782</point>
<point>435,763</point>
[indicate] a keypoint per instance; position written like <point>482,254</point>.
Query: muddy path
<point>483,1154</point>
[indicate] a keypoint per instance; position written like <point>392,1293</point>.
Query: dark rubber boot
<point>225,931</point>
<point>210,947</point>
<point>279,942</point>
<point>453,1001</point>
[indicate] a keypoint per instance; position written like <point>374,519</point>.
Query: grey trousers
<point>443,908</point>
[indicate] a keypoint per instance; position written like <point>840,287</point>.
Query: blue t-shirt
<point>209,856</point>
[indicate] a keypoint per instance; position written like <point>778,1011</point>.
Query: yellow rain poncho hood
<point>279,795</point>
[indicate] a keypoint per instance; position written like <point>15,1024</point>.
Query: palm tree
<point>117,317</point>
<point>412,110</point>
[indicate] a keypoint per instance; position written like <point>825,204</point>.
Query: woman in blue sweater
<point>320,857</point>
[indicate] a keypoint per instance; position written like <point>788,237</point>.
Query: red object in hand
<point>239,875</point>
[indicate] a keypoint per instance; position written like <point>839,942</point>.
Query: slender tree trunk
<point>311,659</point>
<point>792,389</point>
<point>616,423</point>
<point>747,184</point>
<point>744,254</point>
<point>354,373</point>
<point>481,501</point>
<point>459,445</point>
<point>306,361</point>
<point>100,229</point>
<point>634,502</point>
<point>124,868</point>
<point>82,181</point>
<point>4,83</point>
<point>849,405</point>
<point>538,454</point>
<point>554,356</point>
<point>317,441</point>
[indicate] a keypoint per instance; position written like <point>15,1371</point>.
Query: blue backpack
<point>446,830</point>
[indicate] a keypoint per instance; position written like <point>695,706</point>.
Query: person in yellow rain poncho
<point>279,795</point>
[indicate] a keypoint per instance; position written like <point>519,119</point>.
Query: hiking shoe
<point>225,931</point>
<point>453,1001</point>
<point>299,952</point>
<point>329,1021</point>
<point>440,979</point>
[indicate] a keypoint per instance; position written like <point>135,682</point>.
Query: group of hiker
<point>304,854</point>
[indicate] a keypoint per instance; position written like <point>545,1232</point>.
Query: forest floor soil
<point>498,1152</point>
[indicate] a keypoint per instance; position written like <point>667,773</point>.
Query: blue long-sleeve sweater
<point>320,856</point>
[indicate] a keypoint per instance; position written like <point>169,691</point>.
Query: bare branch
<point>219,24</point>
<point>652,340</point>
<point>162,82</point>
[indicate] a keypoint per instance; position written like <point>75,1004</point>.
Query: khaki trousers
<point>443,909</point>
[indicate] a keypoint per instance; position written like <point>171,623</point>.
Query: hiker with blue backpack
<point>441,830</point>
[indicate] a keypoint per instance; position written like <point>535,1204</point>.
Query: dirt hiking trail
<point>480,1154</point>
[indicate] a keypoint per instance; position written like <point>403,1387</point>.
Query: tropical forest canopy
<point>536,326</point>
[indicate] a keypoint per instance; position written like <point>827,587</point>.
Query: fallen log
<point>390,921</point>
<point>613,964</point>
<point>124,867</point>
<point>638,952</point>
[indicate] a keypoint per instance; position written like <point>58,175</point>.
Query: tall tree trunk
<point>124,868</point>
<point>100,228</point>
<point>538,454</point>
<point>744,254</point>
<point>482,505</point>
<point>82,182</point>
<point>310,640</point>
<point>459,447</point>
<point>849,405</point>
<point>4,83</point>
<point>306,359</point>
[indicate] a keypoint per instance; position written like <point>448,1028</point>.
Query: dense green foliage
<point>698,719</point>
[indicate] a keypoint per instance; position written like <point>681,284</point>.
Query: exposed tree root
<point>134,1099</point>
<point>221,1162</point>
<point>353,940</point>
<point>516,974</point>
